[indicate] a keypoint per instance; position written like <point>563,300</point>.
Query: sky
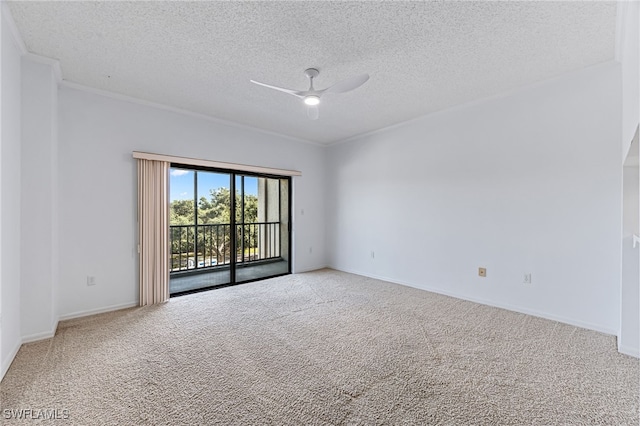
<point>181,183</point>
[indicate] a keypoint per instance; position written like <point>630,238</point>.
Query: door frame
<point>232,219</point>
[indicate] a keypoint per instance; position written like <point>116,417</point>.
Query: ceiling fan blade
<point>281,89</point>
<point>348,84</point>
<point>313,112</point>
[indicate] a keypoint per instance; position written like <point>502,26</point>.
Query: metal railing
<point>196,247</point>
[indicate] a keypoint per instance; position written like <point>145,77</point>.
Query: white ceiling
<point>422,56</point>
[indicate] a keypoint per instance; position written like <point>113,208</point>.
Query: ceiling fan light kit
<point>312,100</point>
<point>311,97</point>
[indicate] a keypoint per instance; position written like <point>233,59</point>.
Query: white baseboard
<point>41,336</point>
<point>507,306</point>
<point>102,310</point>
<point>49,334</point>
<point>628,350</point>
<point>312,268</point>
<point>38,336</point>
<point>7,363</point>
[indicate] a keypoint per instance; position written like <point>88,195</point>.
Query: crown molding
<point>472,103</point>
<point>134,100</point>
<point>54,63</point>
<point>57,70</point>
<point>22,47</point>
<point>621,13</point>
<point>626,15</point>
<point>13,29</point>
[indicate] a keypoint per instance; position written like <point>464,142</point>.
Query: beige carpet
<point>323,348</point>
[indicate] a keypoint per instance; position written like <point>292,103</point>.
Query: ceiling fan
<point>311,97</point>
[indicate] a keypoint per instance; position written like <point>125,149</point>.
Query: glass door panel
<point>263,224</point>
<point>199,229</point>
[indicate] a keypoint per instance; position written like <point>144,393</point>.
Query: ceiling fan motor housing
<point>311,72</point>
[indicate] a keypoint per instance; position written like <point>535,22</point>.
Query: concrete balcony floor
<point>217,276</point>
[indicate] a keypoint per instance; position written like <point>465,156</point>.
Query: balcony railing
<point>197,247</point>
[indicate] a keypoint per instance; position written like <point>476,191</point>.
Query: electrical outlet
<point>482,272</point>
<point>527,278</point>
<point>91,280</point>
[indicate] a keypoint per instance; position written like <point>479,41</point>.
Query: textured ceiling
<point>422,56</point>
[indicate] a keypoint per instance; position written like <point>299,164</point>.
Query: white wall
<point>628,46</point>
<point>629,341</point>
<point>9,198</point>
<point>97,188</point>
<point>4,359</point>
<point>628,54</point>
<point>39,249</point>
<point>525,183</point>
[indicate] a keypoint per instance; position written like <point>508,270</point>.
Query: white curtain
<point>153,228</point>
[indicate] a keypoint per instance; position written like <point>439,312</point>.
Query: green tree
<point>181,212</point>
<point>213,211</point>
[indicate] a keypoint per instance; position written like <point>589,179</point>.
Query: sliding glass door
<point>262,227</point>
<point>217,239</point>
<point>199,229</point>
